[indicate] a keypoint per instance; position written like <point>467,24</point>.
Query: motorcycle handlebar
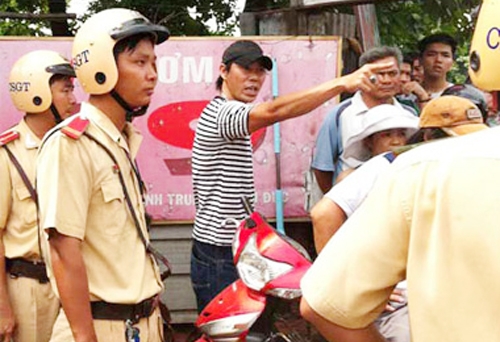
<point>246,204</point>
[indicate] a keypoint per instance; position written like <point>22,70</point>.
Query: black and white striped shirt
<point>222,170</point>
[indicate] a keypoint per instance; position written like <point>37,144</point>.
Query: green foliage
<point>401,23</point>
<point>16,27</point>
<point>404,23</point>
<point>182,17</point>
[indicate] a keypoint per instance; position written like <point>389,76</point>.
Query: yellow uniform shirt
<point>81,196</point>
<point>434,219</point>
<point>17,209</point>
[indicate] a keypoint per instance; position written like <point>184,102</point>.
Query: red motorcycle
<point>269,264</point>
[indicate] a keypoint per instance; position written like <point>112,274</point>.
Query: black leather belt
<point>123,312</point>
<point>19,267</point>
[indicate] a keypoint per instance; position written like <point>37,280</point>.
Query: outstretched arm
<point>302,102</point>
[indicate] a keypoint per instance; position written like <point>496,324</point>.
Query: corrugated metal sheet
<point>174,241</point>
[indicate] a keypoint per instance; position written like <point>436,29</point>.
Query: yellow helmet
<point>485,48</point>
<point>93,45</point>
<point>29,82</point>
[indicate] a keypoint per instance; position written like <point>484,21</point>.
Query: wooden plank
<point>40,16</point>
<point>180,299</point>
<point>300,22</point>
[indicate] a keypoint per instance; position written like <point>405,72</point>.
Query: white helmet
<point>93,45</point>
<point>29,81</point>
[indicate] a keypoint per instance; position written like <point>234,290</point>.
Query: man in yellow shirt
<point>41,86</point>
<point>91,203</point>
<point>442,117</point>
<point>431,218</point>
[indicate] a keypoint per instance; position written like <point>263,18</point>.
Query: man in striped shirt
<point>222,154</point>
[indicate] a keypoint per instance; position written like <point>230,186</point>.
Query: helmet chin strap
<point>57,116</point>
<point>130,112</point>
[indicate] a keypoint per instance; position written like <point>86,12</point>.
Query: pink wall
<point>187,71</point>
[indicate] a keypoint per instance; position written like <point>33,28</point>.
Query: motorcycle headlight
<point>255,270</point>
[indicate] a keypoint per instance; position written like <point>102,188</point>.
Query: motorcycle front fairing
<point>229,316</point>
<point>268,261</point>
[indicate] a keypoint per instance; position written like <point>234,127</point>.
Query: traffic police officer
<point>90,190</point>
<point>41,86</point>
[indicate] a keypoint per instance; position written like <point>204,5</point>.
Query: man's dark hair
<point>442,38</point>
<point>218,83</point>
<point>380,52</point>
<point>408,58</point>
<point>58,77</point>
<point>130,43</point>
<point>412,55</point>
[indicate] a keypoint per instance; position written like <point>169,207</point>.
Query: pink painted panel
<point>187,70</point>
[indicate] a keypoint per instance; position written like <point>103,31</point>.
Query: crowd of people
<point>389,271</point>
<point>76,260</point>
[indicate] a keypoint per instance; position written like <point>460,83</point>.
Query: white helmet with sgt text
<point>29,81</point>
<point>94,42</point>
<point>485,48</point>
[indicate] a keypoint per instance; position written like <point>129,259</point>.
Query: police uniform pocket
<point>22,193</point>
<point>112,190</point>
<point>111,211</point>
<point>26,209</point>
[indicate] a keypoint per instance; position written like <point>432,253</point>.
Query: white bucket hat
<point>377,119</point>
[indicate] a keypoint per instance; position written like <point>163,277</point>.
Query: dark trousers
<point>212,270</point>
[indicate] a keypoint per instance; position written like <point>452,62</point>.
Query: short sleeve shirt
<point>81,196</point>
<point>432,218</point>
<point>17,209</point>
<point>327,158</point>
<point>352,190</point>
<point>222,165</point>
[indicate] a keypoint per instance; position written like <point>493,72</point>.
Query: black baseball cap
<point>244,53</point>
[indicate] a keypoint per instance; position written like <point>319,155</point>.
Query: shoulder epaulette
<point>76,127</point>
<point>8,136</point>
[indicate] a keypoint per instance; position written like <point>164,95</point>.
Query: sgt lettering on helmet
<point>17,87</point>
<point>81,58</point>
<point>494,32</point>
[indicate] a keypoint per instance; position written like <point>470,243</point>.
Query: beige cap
<point>454,115</point>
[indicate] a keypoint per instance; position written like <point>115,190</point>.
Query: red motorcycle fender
<point>236,299</point>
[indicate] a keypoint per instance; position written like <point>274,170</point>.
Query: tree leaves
<point>404,23</point>
<point>9,27</point>
<point>182,17</point>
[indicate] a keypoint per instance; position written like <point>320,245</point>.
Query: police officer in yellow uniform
<point>90,190</point>
<point>41,85</point>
